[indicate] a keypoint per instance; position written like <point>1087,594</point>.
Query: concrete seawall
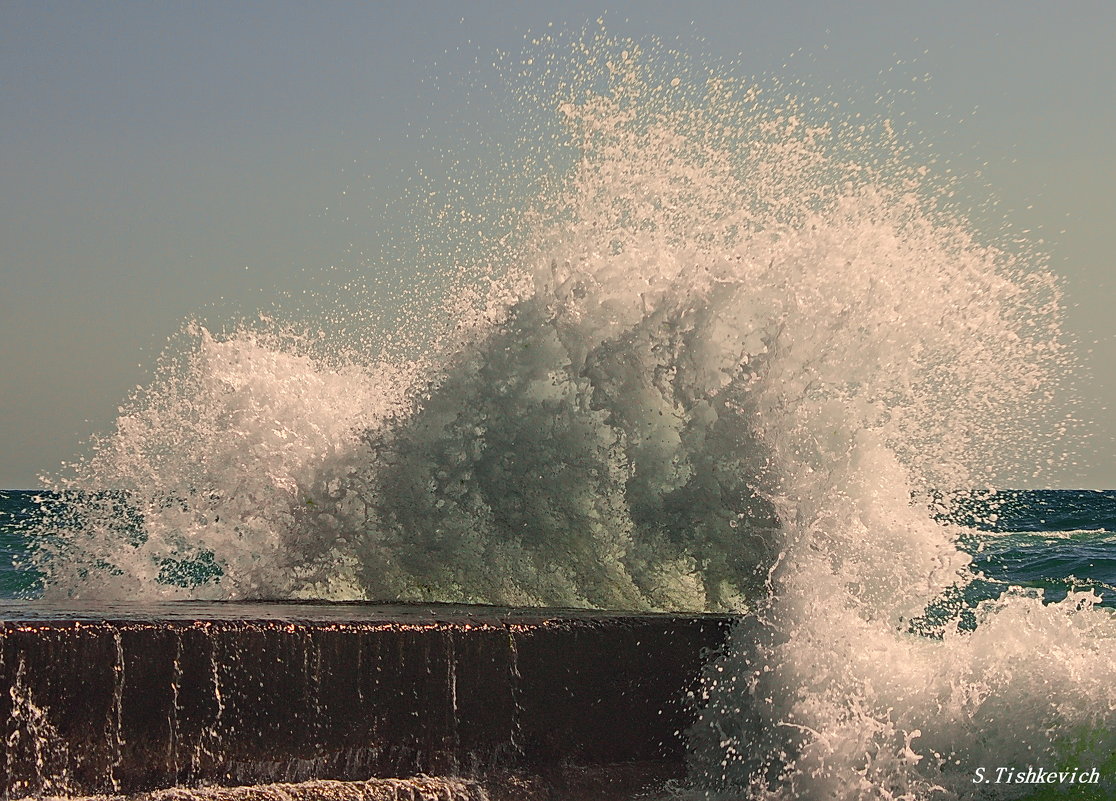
<point>125,701</point>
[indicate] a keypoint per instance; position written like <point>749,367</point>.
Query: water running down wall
<point>133,705</point>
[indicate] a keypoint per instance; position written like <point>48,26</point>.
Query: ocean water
<point>722,348</point>
<point>1049,541</point>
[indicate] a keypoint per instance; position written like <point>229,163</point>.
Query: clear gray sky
<point>162,158</point>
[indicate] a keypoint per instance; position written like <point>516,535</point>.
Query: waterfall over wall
<point>132,705</point>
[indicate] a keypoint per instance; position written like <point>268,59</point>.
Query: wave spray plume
<point>738,353</point>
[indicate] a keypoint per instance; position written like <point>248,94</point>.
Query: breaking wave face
<point>736,354</point>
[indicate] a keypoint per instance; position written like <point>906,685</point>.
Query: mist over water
<point>736,352</point>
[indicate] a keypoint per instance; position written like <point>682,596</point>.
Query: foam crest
<point>206,486</point>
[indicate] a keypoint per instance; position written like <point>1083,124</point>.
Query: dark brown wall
<point>137,705</point>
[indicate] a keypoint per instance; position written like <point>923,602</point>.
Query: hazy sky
<point>158,159</point>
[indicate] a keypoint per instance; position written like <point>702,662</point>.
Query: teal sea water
<point>1056,541</point>
<point>17,510</point>
<point>1052,541</point>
